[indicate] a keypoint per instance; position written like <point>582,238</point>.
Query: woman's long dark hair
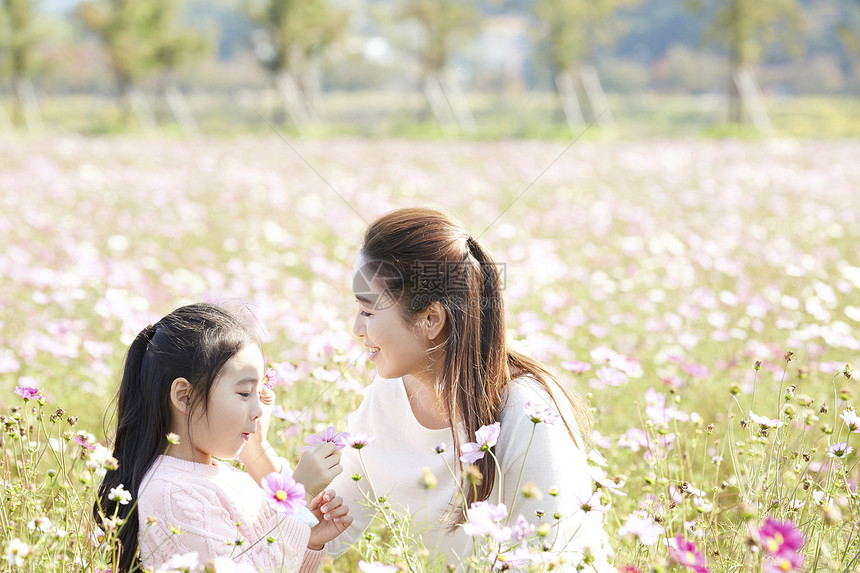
<point>192,342</point>
<point>423,256</point>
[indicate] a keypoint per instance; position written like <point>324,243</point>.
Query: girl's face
<point>233,409</point>
<point>396,347</point>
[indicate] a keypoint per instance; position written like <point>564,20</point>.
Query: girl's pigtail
<point>134,433</point>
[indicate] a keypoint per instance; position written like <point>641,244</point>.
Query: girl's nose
<point>257,410</point>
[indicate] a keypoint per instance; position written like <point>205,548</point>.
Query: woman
<point>432,317</point>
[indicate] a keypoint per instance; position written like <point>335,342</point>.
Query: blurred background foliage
<point>429,68</point>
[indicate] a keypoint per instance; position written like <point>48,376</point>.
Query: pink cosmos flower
<point>271,378</point>
<point>852,420</point>
<point>598,476</point>
<point>83,443</point>
<point>330,434</point>
<point>358,440</point>
<point>778,538</point>
<point>539,412</point>
<point>515,559</point>
<point>699,371</point>
<point>521,529</point>
<point>283,493</point>
<point>591,503</point>
<point>608,376</point>
<point>482,518</point>
<point>643,527</point>
<point>764,421</point>
<point>783,563</point>
<point>486,436</point>
<point>657,410</point>
<point>840,450</point>
<point>576,366</point>
<point>686,554</point>
<point>603,354</point>
<point>28,392</point>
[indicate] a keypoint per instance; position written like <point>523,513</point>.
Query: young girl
<point>198,373</point>
<point>431,314</point>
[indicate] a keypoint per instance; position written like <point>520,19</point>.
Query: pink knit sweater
<point>214,506</point>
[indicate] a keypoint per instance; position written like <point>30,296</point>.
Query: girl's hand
<point>318,465</point>
<point>333,516</point>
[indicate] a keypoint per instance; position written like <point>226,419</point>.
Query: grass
<point>520,116</point>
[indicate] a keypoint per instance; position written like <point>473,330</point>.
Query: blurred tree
<point>848,28</point>
<point>291,33</point>
<point>20,36</point>
<point>444,23</point>
<point>747,28</point>
<point>573,30</point>
<point>140,37</point>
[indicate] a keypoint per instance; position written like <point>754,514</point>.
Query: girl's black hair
<point>192,342</point>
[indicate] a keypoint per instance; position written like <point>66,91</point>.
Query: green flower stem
<point>499,476</point>
<point>522,469</point>
<point>458,482</point>
<point>396,531</point>
<point>779,395</point>
<point>755,387</point>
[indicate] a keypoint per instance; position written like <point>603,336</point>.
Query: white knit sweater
<point>213,507</point>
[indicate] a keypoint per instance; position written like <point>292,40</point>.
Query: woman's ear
<point>433,320</point>
<point>180,395</point>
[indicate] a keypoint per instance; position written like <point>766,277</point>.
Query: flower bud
<point>746,511</point>
<point>474,475</point>
<point>428,479</point>
<point>531,491</point>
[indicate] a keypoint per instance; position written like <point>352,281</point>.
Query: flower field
<point>704,296</point>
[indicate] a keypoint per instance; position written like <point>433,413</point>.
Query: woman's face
<point>396,347</point>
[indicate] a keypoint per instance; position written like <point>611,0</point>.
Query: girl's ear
<point>433,320</point>
<point>180,395</point>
